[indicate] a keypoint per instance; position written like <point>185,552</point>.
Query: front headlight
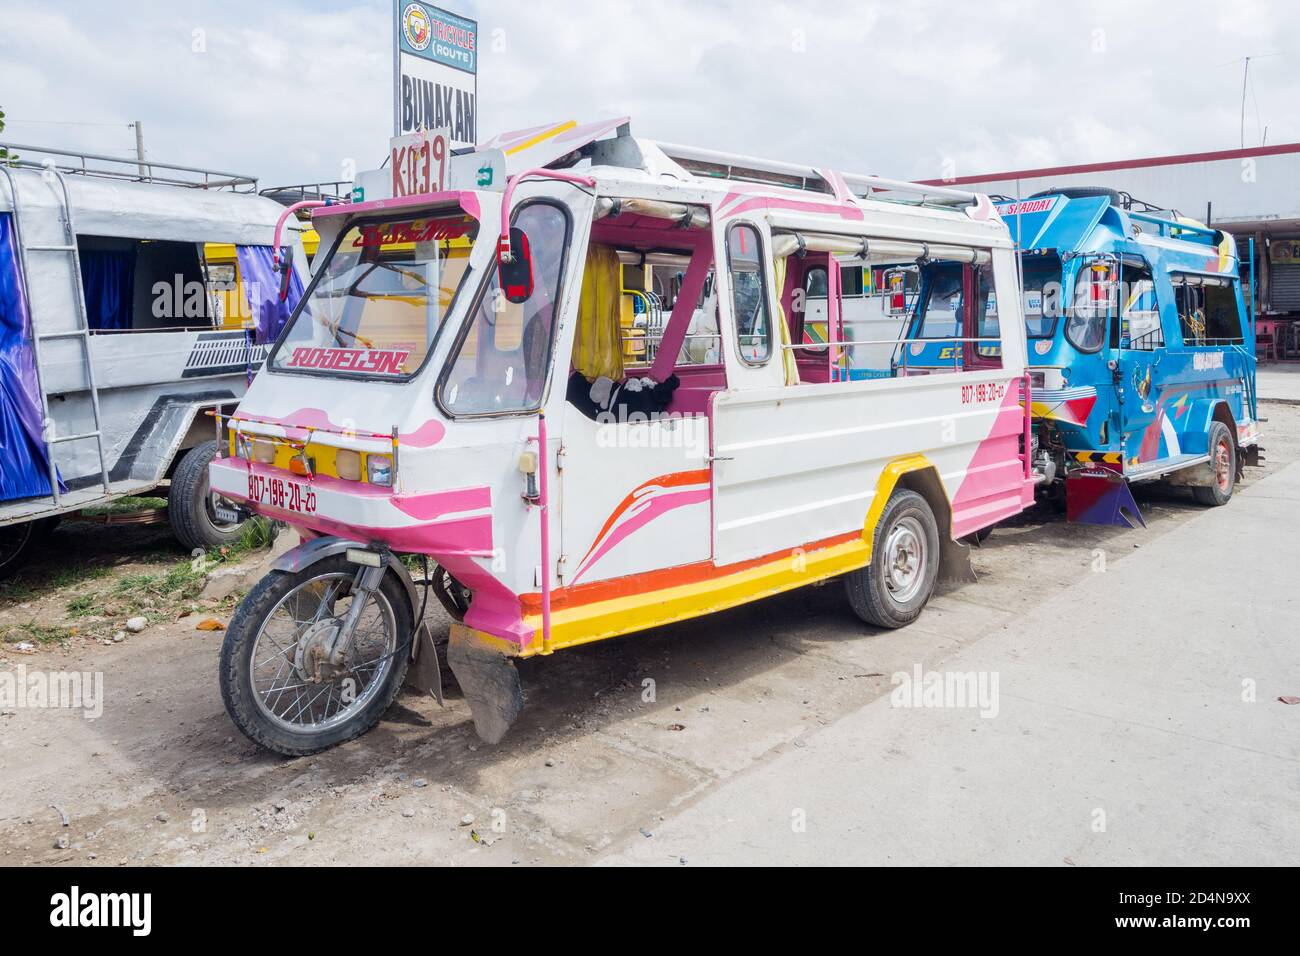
<point>347,464</point>
<point>379,469</point>
<point>243,447</point>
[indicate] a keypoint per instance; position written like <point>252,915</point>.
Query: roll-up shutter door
<point>1285,287</point>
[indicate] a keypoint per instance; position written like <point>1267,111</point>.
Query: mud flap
<point>425,673</point>
<point>1101,497</point>
<point>489,681</point>
<point>954,565</point>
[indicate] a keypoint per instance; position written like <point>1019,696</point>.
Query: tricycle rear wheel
<point>1223,467</point>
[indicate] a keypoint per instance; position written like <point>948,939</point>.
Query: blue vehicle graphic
<point>1141,350</point>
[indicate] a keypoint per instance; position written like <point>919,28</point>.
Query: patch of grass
<point>127,505</point>
<point>256,534</point>
<point>77,574</point>
<point>31,584</point>
<point>37,634</point>
<point>83,605</point>
<point>178,582</point>
<point>160,585</point>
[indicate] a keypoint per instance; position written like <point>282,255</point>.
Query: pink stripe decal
<point>432,506</point>
<point>426,436</point>
<point>638,516</point>
<point>994,486</point>
<point>818,208</point>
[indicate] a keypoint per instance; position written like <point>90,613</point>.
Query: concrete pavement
<point>1137,723</point>
<point>1279,383</point>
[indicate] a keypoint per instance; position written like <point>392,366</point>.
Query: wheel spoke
<point>301,624</point>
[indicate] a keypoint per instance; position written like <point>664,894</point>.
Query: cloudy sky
<point>290,90</point>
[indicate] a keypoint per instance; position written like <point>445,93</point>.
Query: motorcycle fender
<point>318,549</point>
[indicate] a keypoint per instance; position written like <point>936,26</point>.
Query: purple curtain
<point>24,458</point>
<point>262,288</point>
<point>108,276</point>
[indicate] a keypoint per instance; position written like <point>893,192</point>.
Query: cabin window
<point>143,285</point>
<point>748,296</point>
<point>942,317</point>
<point>1140,327</point>
<point>986,306</point>
<point>500,363</point>
<point>1222,318</point>
<point>1207,310</point>
<point>1086,331</point>
<point>814,283</point>
<point>1042,278</point>
<point>376,304</point>
<point>850,282</point>
<point>811,307</point>
<point>957,318</point>
<point>1096,292</point>
<point>703,342</point>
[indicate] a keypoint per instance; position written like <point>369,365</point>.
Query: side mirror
<point>515,275</point>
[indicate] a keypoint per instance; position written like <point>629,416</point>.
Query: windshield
<point>378,301</point>
<point>942,318</point>
<point>1042,279</point>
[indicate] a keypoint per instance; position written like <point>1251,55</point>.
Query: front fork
<point>365,583</point>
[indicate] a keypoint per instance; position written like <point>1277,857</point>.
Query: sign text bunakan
<point>435,72</point>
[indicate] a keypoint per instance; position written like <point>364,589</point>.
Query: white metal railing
<point>844,345</point>
<point>742,168</point>
<point>141,170</point>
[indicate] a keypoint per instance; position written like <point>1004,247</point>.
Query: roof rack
<point>338,189</point>
<point>711,163</point>
<point>142,171</point>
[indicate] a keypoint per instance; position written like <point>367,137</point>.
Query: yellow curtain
<point>783,327</point>
<point>597,349</point>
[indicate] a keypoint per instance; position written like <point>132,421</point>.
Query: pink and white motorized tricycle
<point>467,383</point>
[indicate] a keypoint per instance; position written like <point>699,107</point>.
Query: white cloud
<point>291,90</point>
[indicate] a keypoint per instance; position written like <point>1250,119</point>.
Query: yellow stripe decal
<point>597,620</point>
<point>540,137</point>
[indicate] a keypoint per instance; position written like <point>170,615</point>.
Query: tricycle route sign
<point>435,72</point>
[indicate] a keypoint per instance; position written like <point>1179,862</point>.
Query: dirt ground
<point>615,737</point>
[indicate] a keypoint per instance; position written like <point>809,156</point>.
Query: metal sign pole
<point>397,67</point>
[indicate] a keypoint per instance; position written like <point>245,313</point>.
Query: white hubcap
<point>905,560</point>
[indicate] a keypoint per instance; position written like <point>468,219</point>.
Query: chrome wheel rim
<point>905,559</point>
<point>286,690</point>
<point>210,502</point>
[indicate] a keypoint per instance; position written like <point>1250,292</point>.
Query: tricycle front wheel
<point>276,681</point>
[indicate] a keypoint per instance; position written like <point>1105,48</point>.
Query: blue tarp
<point>24,458</point>
<point>262,287</point>
<point>108,277</point>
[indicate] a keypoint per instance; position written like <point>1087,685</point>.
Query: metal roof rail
<point>339,189</point>
<point>146,171</point>
<point>733,166</point>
